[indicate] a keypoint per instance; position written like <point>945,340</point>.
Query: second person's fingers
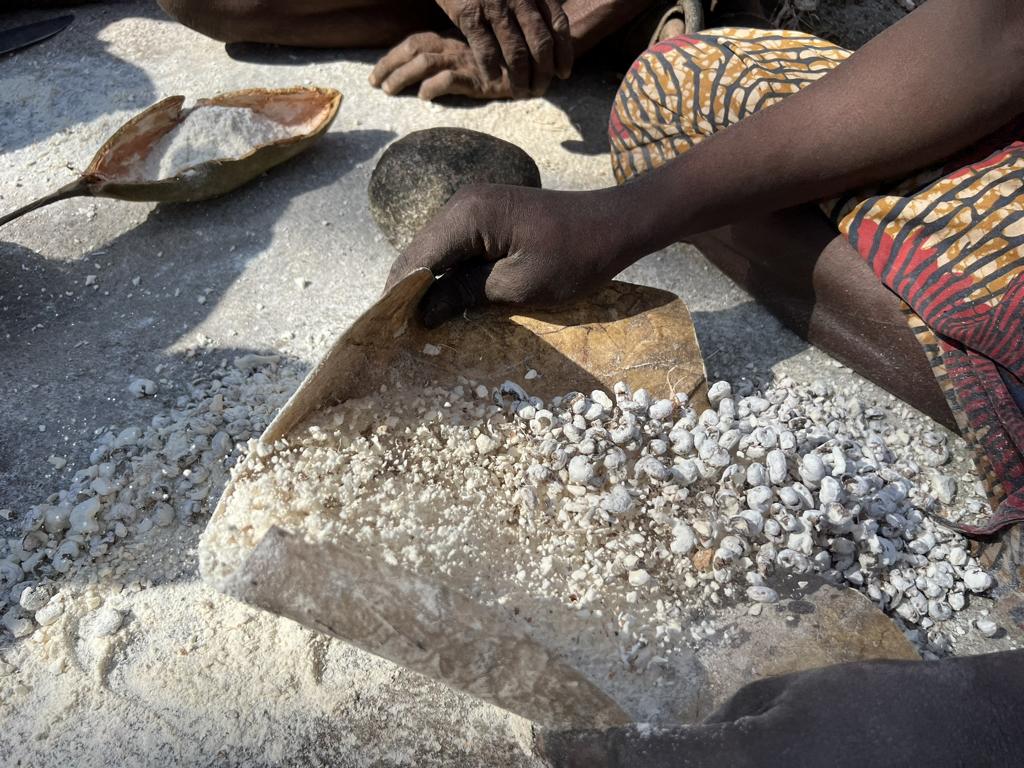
<point>402,54</point>
<point>477,30</point>
<point>418,69</point>
<point>513,46</point>
<point>450,82</point>
<point>558,23</point>
<point>540,43</point>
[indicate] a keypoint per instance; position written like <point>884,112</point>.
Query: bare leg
<point>308,23</point>
<point>795,264</point>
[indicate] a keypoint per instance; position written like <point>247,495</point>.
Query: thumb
<point>451,237</point>
<point>466,287</point>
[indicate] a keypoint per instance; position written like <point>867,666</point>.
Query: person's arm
<point>590,21</point>
<point>936,82</point>
<point>942,78</point>
<point>940,714</point>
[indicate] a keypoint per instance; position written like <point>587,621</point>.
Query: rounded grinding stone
<point>418,173</point>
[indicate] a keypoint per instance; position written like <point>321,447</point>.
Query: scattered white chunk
<point>17,623</point>
<point>761,594</point>
<point>105,622</point>
<point>639,577</point>
<point>49,613</point>
<point>977,581</point>
<point>987,627</point>
<point>142,387</point>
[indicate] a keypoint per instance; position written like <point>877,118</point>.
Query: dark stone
<point>418,173</point>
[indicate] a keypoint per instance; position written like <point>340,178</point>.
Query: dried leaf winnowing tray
<point>552,667</point>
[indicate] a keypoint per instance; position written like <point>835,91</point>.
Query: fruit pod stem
<point>78,188</point>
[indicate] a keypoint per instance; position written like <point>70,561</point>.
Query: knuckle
<point>517,44</point>
<point>427,61</point>
<point>501,25</point>
<point>518,50</point>
<point>409,46</point>
<point>439,85</point>
<point>470,21</point>
<point>560,22</point>
<point>475,203</point>
<point>513,286</point>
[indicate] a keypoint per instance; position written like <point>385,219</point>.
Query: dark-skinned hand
<point>517,245</point>
<point>512,49</point>
<point>441,66</point>
<point>946,714</point>
<point>527,38</point>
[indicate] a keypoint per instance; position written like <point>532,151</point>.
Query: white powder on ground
<point>181,675</point>
<point>212,133</point>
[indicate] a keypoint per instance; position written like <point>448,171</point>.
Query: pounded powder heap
<point>645,514</point>
<point>114,652</point>
<point>211,133</point>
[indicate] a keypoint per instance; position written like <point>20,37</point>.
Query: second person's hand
<point>518,245</point>
<point>529,39</point>
<point>439,66</point>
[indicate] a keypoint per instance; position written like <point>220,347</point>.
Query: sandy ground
<point>222,276</point>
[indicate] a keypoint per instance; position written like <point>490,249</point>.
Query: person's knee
<point>226,20</point>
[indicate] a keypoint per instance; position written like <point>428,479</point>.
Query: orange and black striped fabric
<point>949,241</point>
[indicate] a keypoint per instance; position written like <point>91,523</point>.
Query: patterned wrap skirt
<point>949,241</point>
